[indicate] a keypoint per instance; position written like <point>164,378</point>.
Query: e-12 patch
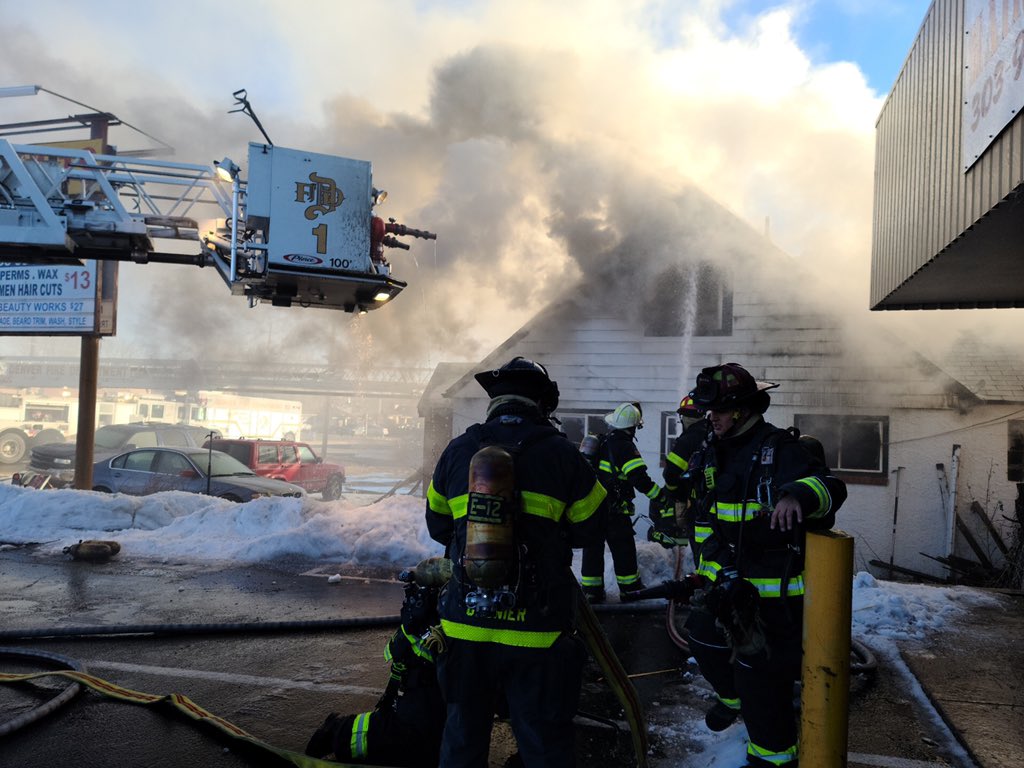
<point>487,508</point>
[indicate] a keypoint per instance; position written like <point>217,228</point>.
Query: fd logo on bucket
<point>322,192</point>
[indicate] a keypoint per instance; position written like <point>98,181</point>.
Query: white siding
<point>600,360</point>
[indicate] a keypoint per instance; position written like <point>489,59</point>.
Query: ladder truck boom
<point>60,205</point>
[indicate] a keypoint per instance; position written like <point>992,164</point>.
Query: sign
<point>993,73</point>
<point>57,299</point>
<point>319,206</point>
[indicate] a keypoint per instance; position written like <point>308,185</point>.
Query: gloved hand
<point>666,540</point>
<point>665,531</point>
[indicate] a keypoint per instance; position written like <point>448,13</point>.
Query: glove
<point>665,531</point>
<point>666,540</point>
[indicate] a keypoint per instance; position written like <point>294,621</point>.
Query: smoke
<point>544,145</point>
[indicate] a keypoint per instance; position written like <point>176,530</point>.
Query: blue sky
<point>876,34</point>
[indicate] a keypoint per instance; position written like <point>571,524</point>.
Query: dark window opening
<point>694,298</point>
<point>670,430</point>
<point>578,424</point>
<point>855,446</point>
<point>1015,452</point>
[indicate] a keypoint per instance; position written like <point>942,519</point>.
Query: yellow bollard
<point>828,606</point>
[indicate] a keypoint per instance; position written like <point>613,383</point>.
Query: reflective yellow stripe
<point>437,502</point>
<point>632,464</point>
<point>592,581</point>
<point>360,729</point>
<point>542,506</point>
<point>730,703</point>
<point>733,512</point>
<point>459,505</point>
<point>606,466</point>
<point>701,532</point>
<point>679,461</point>
<point>517,637</point>
<point>821,491</point>
<point>418,647</point>
<point>631,579</point>
<point>769,756</point>
<point>587,506</point>
<point>709,569</point>
<point>773,587</point>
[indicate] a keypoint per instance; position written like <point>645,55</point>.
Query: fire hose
<point>678,592</point>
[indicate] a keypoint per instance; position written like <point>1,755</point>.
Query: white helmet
<point>625,416</point>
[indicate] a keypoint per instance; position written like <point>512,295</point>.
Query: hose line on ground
<point>62,698</point>
<point>200,629</point>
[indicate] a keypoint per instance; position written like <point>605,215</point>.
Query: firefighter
<point>517,638</point>
<point>621,470</point>
<point>681,523</point>
<point>759,488</point>
<point>404,729</point>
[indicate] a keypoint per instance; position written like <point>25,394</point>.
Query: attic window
<point>697,297</point>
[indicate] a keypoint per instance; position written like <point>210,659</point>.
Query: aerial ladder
<point>301,230</point>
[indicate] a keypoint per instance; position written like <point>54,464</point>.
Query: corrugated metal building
<point>949,165</point>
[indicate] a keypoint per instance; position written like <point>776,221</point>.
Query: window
<point>157,411</point>
<point>267,454</point>
<point>289,454</point>
<point>1015,452</point>
<point>175,437</point>
<point>144,410</point>
<point>144,439</point>
<point>695,298</point>
<point>171,463</point>
<point>579,424</point>
<point>240,451</point>
<point>855,446</point>
<point>140,461</point>
<point>670,430</point>
<point>306,455</point>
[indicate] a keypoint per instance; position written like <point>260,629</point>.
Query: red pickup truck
<point>286,460</point>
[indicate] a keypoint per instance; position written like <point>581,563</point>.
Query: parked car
<point>56,461</point>
<point>143,471</point>
<point>286,460</point>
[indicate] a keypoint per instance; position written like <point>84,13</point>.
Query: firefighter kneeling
<point>404,729</point>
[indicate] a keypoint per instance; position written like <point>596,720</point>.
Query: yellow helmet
<point>625,416</point>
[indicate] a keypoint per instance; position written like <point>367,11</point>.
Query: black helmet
<point>522,377</point>
<point>724,386</point>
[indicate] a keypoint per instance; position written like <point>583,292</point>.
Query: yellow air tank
<point>490,540</point>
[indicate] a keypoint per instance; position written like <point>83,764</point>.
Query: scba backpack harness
<point>495,560</point>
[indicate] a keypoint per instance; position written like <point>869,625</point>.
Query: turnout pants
<point>763,682</point>
<point>541,687</point>
<point>622,543</point>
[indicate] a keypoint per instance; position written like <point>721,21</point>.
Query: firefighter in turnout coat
<point>682,523</point>
<point>516,638</point>
<point>759,488</point>
<point>621,470</point>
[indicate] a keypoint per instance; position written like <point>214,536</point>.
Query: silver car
<point>143,471</point>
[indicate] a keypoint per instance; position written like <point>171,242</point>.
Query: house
<point>915,442</point>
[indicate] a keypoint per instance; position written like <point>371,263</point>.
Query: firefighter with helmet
<point>759,489</point>
<point>516,638</point>
<point>621,470</point>
<point>680,523</point>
